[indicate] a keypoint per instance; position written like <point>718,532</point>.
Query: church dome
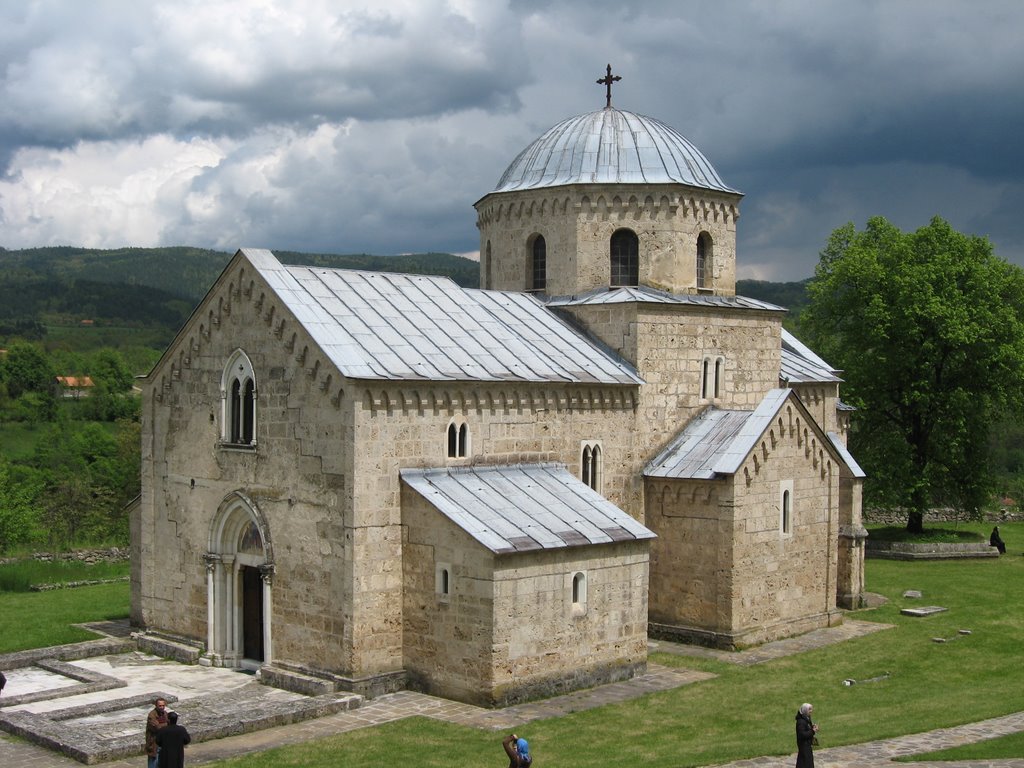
<point>611,146</point>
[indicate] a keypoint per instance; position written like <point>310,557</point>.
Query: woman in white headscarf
<point>805,737</point>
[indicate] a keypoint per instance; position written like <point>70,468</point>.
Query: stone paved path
<point>19,754</point>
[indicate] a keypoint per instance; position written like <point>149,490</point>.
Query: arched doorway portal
<point>239,580</point>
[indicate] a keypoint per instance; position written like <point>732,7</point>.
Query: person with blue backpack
<point>518,751</point>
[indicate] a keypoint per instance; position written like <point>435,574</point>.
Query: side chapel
<point>387,480</point>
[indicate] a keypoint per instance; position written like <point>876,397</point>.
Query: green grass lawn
<point>20,575</point>
<point>38,619</point>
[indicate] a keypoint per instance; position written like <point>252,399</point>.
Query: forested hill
<point>189,272</point>
<point>792,296</point>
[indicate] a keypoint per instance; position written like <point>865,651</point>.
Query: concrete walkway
<point>17,753</point>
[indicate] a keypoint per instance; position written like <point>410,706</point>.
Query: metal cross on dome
<point>607,81</point>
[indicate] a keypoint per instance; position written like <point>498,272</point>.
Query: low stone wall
<point>903,550</point>
<point>89,556</point>
<point>895,517</point>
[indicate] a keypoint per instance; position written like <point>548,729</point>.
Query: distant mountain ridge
<point>189,272</point>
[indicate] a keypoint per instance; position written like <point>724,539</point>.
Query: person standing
<point>155,721</point>
<point>806,737</point>
<point>172,741</point>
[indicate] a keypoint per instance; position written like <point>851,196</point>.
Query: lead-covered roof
<point>380,325</point>
<point>522,508</point>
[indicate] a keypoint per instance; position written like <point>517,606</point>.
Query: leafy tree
<point>17,512</point>
<point>25,368</point>
<point>108,368</point>
<point>928,327</point>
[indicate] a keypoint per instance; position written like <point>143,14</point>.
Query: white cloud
<point>100,194</point>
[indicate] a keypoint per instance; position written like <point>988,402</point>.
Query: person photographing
<point>518,751</point>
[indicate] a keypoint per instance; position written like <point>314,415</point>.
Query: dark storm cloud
<point>314,125</point>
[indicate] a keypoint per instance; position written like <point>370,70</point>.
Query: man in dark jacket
<point>805,737</point>
<point>172,741</point>
<point>155,721</point>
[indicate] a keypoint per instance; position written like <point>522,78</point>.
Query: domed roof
<point>610,146</point>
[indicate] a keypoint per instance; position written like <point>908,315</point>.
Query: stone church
<point>378,480</point>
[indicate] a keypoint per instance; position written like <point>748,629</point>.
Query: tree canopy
<point>928,329</point>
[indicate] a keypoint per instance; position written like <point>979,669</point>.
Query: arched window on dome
<point>625,258</point>
<point>537,271</point>
<point>704,251</point>
<point>238,396</point>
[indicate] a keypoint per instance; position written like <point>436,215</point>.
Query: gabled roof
<point>717,441</point>
<point>643,294</point>
<point>379,325</point>
<point>800,365</point>
<point>524,507</point>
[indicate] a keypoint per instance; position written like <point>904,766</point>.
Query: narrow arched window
<point>704,372</point>
<point>579,588</point>
<point>538,264</point>
<point>625,258</point>
<point>590,465</point>
<point>442,581</point>
<point>238,395</point>
<point>704,260</point>
<point>786,508</point>
<point>719,373</point>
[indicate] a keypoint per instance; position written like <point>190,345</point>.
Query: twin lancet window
<point>712,378</point>
<point>238,398</point>
<point>458,439</point>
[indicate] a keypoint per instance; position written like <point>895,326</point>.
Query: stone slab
<point>924,610</point>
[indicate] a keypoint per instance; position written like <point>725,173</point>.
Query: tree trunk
<point>915,522</point>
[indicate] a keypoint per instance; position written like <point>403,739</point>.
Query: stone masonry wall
<point>691,560</point>
<point>507,424</point>
<point>577,222</point>
<point>543,645</point>
<point>785,584</point>
<point>741,580</point>
<point>296,476</point>
<point>448,639</point>
<point>668,345</point>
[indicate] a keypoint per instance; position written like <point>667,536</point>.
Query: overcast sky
<point>292,124</point>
